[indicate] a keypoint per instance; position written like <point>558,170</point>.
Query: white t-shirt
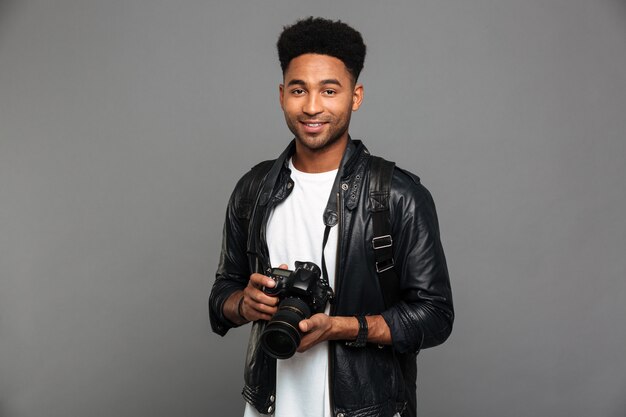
<point>295,232</point>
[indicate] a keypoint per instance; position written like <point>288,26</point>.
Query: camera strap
<point>324,270</point>
<point>381,174</point>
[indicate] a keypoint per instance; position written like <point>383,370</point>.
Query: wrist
<point>239,309</point>
<point>231,309</point>
<point>361,338</point>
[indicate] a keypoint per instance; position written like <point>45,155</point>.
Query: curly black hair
<point>316,35</point>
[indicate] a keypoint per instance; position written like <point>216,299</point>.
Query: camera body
<point>305,282</point>
<point>303,292</point>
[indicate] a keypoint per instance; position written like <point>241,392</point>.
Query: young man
<point>314,203</point>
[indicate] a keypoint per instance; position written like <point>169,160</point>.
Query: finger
<point>259,296</point>
<point>283,266</point>
<point>261,308</point>
<point>256,311</point>
<point>258,316</point>
<point>249,305</point>
<point>259,300</point>
<point>260,281</point>
<point>316,321</point>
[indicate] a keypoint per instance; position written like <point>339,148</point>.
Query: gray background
<point>124,126</point>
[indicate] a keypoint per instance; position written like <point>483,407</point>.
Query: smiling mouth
<point>312,124</point>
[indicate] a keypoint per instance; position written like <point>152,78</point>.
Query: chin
<point>315,144</point>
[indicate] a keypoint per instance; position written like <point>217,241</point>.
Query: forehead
<point>314,67</point>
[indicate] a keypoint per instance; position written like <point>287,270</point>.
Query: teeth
<point>313,124</point>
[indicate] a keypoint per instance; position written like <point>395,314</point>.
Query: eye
<point>329,92</point>
<point>297,92</point>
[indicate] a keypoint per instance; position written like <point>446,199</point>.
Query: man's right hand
<point>256,304</point>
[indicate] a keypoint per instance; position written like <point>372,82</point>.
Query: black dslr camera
<point>303,292</point>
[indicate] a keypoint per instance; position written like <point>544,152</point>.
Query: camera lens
<point>282,336</point>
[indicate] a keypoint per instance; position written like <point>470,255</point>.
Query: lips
<point>313,126</point>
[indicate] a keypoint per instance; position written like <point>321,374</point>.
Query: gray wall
<point>124,126</point>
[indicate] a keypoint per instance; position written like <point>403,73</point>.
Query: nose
<point>312,105</point>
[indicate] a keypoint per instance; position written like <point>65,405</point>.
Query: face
<point>318,97</point>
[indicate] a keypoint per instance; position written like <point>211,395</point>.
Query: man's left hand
<point>316,329</point>
<point>321,327</point>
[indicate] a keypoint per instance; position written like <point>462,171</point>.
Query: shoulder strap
<point>381,174</point>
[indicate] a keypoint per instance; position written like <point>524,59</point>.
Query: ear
<point>357,97</point>
<point>281,93</point>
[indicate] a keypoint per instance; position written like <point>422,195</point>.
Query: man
<point>313,204</point>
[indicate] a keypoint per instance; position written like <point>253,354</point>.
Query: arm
<point>236,298</point>
<point>233,273</point>
<point>321,327</point>
<point>424,316</point>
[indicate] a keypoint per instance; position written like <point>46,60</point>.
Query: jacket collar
<point>347,182</point>
<point>353,160</point>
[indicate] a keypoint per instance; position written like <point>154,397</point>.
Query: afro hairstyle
<point>316,35</point>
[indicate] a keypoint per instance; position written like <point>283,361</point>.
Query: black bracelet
<point>239,304</point>
<point>361,338</point>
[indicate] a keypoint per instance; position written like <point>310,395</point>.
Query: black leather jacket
<point>369,381</point>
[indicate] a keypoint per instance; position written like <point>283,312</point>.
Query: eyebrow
<point>323,82</point>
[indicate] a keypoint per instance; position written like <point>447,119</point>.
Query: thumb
<point>283,266</point>
<point>304,326</point>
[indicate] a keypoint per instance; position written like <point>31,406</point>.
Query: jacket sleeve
<point>232,272</point>
<point>423,317</point>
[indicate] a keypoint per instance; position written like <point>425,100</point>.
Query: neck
<point>319,160</point>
